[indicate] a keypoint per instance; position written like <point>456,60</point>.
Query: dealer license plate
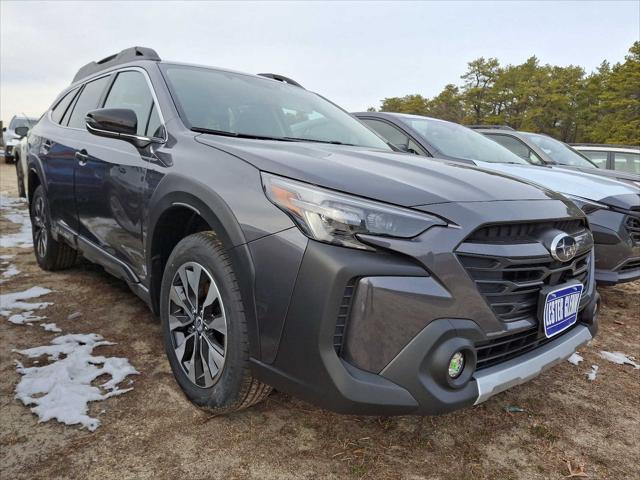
<point>561,309</point>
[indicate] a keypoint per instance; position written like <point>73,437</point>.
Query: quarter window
<point>87,101</point>
<point>131,91</point>
<point>627,162</point>
<point>59,110</point>
<point>598,157</point>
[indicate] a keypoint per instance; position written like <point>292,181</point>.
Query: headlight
<point>587,206</point>
<point>333,217</point>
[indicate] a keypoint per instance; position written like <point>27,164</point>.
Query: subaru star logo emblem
<point>563,247</point>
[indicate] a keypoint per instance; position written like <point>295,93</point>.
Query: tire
<point>50,254</point>
<point>21,191</point>
<point>207,346</point>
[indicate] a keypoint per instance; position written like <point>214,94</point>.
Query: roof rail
<point>281,78</point>
<point>126,55</point>
<point>495,127</point>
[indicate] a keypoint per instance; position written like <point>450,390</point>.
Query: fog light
<point>456,365</point>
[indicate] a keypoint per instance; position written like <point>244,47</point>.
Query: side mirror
<point>120,123</point>
<point>21,131</point>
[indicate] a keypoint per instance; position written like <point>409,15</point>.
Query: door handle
<point>82,157</point>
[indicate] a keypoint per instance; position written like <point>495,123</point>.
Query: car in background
<point>623,158</point>
<point>613,207</point>
<point>539,149</point>
<point>9,136</point>
<point>20,157</point>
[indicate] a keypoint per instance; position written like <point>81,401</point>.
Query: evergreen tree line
<point>564,102</point>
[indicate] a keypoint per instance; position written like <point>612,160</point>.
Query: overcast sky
<point>353,53</point>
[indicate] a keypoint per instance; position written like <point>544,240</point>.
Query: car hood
<point>397,178</point>
<point>568,182</point>
<point>602,172</point>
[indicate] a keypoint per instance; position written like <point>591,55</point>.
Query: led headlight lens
<point>586,205</point>
<point>337,218</point>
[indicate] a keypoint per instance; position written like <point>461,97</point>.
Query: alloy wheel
<point>197,324</point>
<point>40,234</point>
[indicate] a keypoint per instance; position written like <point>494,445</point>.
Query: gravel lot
<point>154,432</point>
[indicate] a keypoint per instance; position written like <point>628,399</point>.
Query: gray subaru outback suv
<point>303,256</point>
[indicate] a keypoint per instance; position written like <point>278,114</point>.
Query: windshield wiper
<point>225,133</point>
<point>331,142</point>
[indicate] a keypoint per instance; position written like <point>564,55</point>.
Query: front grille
<point>505,348</point>
<point>632,224</point>
<point>343,316</point>
<point>514,232</point>
<point>632,264</point>
<point>511,286</point>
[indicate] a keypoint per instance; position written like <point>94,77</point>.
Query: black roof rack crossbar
<point>126,55</point>
<point>281,78</point>
<point>495,127</point>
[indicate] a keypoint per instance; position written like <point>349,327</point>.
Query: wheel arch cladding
<point>180,207</point>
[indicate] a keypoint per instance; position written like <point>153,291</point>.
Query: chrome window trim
<point>117,71</point>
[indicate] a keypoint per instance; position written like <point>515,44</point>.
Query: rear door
<point>110,175</point>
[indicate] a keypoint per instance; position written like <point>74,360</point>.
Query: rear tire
<point>204,327</point>
<point>50,254</point>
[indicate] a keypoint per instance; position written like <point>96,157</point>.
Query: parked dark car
<point>613,207</point>
<point>316,261</point>
<point>623,158</point>
<point>539,149</point>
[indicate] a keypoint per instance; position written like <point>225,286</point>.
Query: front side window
<point>61,107</point>
<point>391,134</point>
<point>598,157</point>
<point>130,90</point>
<point>87,101</point>
<point>559,152</point>
<point>460,142</point>
<point>235,104</point>
<point>517,147</point>
<point>627,162</point>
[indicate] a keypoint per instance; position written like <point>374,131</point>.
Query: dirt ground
<point>154,432</point>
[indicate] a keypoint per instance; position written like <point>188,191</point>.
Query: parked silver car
<point>9,136</point>
<point>622,158</point>
<point>613,207</point>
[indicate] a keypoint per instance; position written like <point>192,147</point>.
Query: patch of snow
<point>11,271</point>
<point>51,327</point>
<point>591,375</point>
<point>575,358</point>
<point>14,301</point>
<point>61,390</point>
<point>13,209</point>
<point>619,358</point>
<point>6,257</point>
<point>25,318</point>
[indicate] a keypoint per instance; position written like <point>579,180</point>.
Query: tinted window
<point>390,133</point>
<point>154,126</point>
<point>596,156</point>
<point>87,101</point>
<point>627,162</point>
<point>60,109</point>
<point>21,122</point>
<point>130,90</point>
<point>248,105</point>
<point>518,147</point>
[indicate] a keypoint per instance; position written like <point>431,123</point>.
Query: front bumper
<point>406,313</point>
<point>617,246</point>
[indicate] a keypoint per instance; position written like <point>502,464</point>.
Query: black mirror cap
<point>21,131</point>
<point>112,122</point>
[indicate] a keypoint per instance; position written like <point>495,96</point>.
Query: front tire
<point>204,327</point>
<point>50,254</point>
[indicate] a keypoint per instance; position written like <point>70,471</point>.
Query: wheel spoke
<point>216,354</point>
<point>218,324</point>
<point>174,296</point>
<point>180,349</point>
<point>193,277</point>
<point>182,273</point>
<point>212,296</point>
<point>209,369</point>
<point>179,321</point>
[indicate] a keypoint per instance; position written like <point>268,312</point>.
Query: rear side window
<point>131,91</point>
<point>598,157</point>
<point>87,101</point>
<point>59,110</point>
<point>627,162</point>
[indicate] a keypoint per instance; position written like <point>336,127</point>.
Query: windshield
<point>21,122</point>
<point>558,151</point>
<point>244,105</point>
<point>457,141</point>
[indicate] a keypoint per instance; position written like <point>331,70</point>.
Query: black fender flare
<point>176,190</point>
